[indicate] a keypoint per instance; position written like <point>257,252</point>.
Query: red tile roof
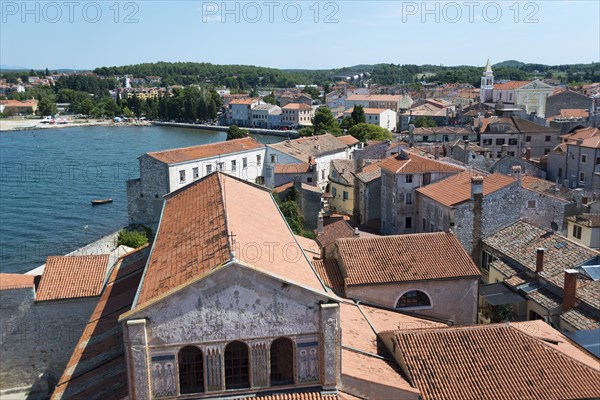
<point>456,189</point>
<point>370,172</point>
<point>416,164</point>
<point>193,236</point>
<point>348,140</point>
<point>333,231</point>
<point>300,168</point>
<point>329,272</point>
<point>296,106</point>
<point>16,281</point>
<point>184,154</point>
<point>247,101</point>
<point>97,367</point>
<point>403,258</point>
<point>69,277</point>
<point>492,362</point>
<point>511,85</point>
<point>298,396</point>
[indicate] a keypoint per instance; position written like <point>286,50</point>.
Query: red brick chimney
<point>569,290</point>
<point>539,260</point>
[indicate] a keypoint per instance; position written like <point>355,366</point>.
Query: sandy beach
<point>18,124</point>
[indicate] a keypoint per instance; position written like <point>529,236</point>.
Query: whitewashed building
<point>382,117</point>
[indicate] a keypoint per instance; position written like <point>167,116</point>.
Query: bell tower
<point>487,84</point>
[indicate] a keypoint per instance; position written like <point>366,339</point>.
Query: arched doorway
<point>191,370</point>
<point>282,362</point>
<point>237,370</point>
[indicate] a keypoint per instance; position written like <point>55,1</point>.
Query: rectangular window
<point>487,142</point>
<point>181,176</point>
<point>345,195</point>
<point>195,173</point>
<point>408,198</point>
<point>499,142</point>
<point>273,158</point>
<point>582,177</point>
<point>512,142</point>
<point>221,166</point>
<point>531,203</point>
<point>425,138</point>
<point>560,172</point>
<point>528,138</point>
<point>546,151</point>
<point>408,178</point>
<point>408,222</point>
<point>548,138</point>
<point>208,169</point>
<point>583,158</point>
<point>309,180</point>
<point>333,191</point>
<point>445,138</point>
<point>233,165</point>
<point>322,174</point>
<point>258,160</point>
<point>244,162</point>
<point>424,225</point>
<point>577,231</point>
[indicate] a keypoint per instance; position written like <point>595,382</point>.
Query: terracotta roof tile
<point>97,367</point>
<point>193,235</point>
<point>412,257</point>
<point>545,298</point>
<point>370,172</point>
<point>590,220</point>
<point>16,281</point>
<point>581,319</point>
<point>333,231</point>
<point>456,189</point>
<point>505,269</point>
<point>520,240</point>
<point>374,97</point>
<point>298,396</point>
<point>345,170</point>
<point>184,154</point>
<point>296,106</point>
<point>300,168</point>
<point>584,133</point>
<point>247,101</point>
<point>511,85</point>
<point>348,140</point>
<point>416,164</point>
<point>329,272</point>
<point>69,277</point>
<point>311,146</point>
<point>509,364</point>
<point>191,238</point>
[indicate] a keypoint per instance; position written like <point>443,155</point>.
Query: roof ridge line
<point>230,237</point>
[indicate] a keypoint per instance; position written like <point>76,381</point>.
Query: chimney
<point>516,172</point>
<point>320,229</point>
<point>356,233</point>
<point>569,290</point>
<point>528,153</point>
<point>504,151</point>
<point>476,186</point>
<point>539,260</point>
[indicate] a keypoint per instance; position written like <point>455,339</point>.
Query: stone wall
<point>500,208</point>
<point>145,195</point>
<point>546,211</point>
<point>505,164</point>
<point>38,338</point>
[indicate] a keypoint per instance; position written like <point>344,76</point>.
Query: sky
<point>297,34</point>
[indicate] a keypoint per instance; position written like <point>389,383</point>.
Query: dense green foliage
<point>132,238</point>
<point>501,313</point>
<point>291,211</point>
<point>365,132</point>
<point>324,122</point>
<point>424,122</point>
<point>235,132</point>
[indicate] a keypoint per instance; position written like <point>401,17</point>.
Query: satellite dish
<point>554,226</point>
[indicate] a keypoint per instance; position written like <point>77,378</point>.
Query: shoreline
<point>16,125</point>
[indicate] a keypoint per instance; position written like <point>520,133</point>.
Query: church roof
<point>205,223</point>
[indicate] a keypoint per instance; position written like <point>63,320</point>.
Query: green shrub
<point>132,238</point>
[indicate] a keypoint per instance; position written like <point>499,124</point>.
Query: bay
<point>48,178</point>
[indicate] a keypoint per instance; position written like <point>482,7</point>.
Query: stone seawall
<point>259,131</point>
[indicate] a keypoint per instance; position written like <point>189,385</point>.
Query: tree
<point>234,132</point>
<point>323,122</point>
<point>358,115</point>
<point>501,313</point>
<point>127,113</point>
<point>365,132</point>
<point>46,106</point>
<point>85,106</point>
<point>424,122</point>
<point>347,123</point>
<point>269,99</point>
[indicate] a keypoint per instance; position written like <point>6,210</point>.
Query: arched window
<point>414,298</point>
<point>191,371</point>
<point>237,374</point>
<point>282,362</point>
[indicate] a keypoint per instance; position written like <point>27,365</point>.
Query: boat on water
<point>101,201</point>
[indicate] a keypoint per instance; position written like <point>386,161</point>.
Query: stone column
<point>331,348</point>
<point>214,368</point>
<point>260,363</point>
<point>136,348</point>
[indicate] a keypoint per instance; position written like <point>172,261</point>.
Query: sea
<point>48,178</point>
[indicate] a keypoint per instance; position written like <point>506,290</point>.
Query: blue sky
<point>291,34</point>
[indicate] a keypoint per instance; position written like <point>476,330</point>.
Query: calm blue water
<point>48,178</point>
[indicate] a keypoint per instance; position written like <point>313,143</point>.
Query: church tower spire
<point>487,84</point>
